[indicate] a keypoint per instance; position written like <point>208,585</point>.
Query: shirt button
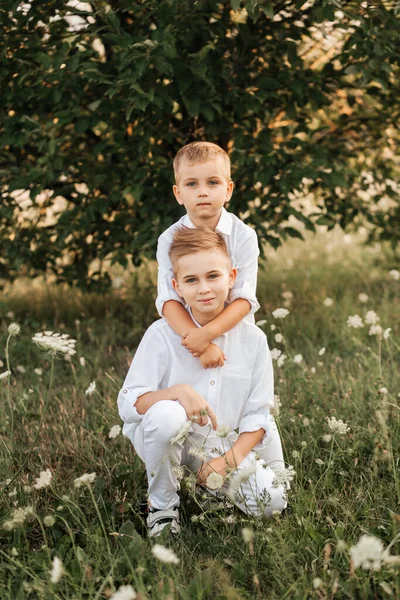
<point>212,382</point>
<point>124,391</point>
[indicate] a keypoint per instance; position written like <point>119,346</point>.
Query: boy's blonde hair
<point>200,152</point>
<point>188,240</point>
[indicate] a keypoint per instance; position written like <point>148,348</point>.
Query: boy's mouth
<point>206,300</point>
<point>204,204</point>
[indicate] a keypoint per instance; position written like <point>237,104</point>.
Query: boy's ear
<point>232,277</point>
<point>175,285</point>
<point>177,194</point>
<point>229,191</point>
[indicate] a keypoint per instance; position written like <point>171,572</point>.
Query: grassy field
<point>345,485</point>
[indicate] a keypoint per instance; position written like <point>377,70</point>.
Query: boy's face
<point>203,190</point>
<point>203,279</point>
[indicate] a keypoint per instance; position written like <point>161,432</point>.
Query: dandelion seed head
<point>165,555</point>
<point>214,481</point>
<point>280,313</point>
<point>14,329</point>
<point>49,520</point>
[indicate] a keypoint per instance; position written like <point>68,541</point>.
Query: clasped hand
<point>197,409</point>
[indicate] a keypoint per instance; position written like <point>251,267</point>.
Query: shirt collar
<point>224,224</point>
<point>198,324</point>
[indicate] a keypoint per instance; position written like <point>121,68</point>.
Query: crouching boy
<point>210,420</point>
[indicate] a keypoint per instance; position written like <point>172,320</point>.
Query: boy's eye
<point>213,182</point>
<point>213,275</point>
<point>191,184</point>
<point>191,280</point>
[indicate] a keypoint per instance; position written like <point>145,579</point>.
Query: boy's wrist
<point>210,332</point>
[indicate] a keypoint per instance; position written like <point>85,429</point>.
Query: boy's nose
<point>203,191</point>
<point>204,287</point>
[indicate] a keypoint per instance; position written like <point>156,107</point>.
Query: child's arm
<point>178,318</point>
<point>195,339</point>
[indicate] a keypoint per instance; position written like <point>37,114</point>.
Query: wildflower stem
<point>102,524</point>
<point>9,390</point>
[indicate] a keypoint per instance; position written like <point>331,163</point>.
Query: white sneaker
<point>159,519</point>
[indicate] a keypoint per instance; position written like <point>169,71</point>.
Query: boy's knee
<point>278,501</point>
<point>165,418</point>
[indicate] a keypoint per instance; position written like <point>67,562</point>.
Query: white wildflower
<point>394,274</point>
<point>337,426</point>
<point>327,437</point>
<point>273,327</point>
<point>276,409</point>
<point>49,520</point>
<point>114,431</point>
<point>283,477</point>
<point>328,302</point>
<point>14,329</point>
<point>313,370</point>
<point>124,592</point>
<point>1,364</point>
<point>240,477</point>
<point>14,552</point>
<point>91,389</point>
<point>306,421</point>
<point>295,454</point>
<point>321,352</point>
<point>371,318</point>
<point>319,462</point>
<point>182,435</point>
<point>57,570</point>
<point>18,518</point>
<point>247,535</point>
<point>85,479</point>
<point>386,333</point>
<point>281,360</point>
<point>275,353</point>
<point>165,555</point>
<point>27,489</point>
<point>178,471</point>
<point>288,295</point>
<point>55,343</point>
<point>13,493</point>
<point>363,298</point>
<point>5,374</point>
<point>214,481</point>
<point>261,323</point>
<point>298,359</point>
<point>375,330</point>
<point>383,391</point>
<point>82,361</point>
<point>368,553</point>
<point>279,338</point>
<point>280,313</point>
<point>198,453</point>
<point>223,431</point>
<point>318,583</point>
<point>355,321</point>
<point>43,480</point>
<point>38,371</point>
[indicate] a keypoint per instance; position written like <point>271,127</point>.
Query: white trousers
<point>152,442</point>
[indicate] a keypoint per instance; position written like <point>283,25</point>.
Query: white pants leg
<point>152,443</point>
<point>271,452</point>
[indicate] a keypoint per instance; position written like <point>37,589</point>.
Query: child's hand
<point>212,357</point>
<point>215,465</point>
<point>197,409</point>
<point>196,341</point>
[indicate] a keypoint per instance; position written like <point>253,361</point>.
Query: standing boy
<point>168,398</point>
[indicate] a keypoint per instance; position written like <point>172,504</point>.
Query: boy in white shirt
<point>203,186</point>
<point>172,406</point>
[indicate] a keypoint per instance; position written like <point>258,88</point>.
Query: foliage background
<point>96,98</point>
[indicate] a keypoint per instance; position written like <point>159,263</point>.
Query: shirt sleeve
<point>165,291</point>
<point>145,375</point>
<point>256,413</point>
<point>246,263</point>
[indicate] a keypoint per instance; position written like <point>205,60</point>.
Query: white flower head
<point>280,313</point>
<point>321,352</point>
<point>275,353</point>
<point>394,274</point>
<point>5,374</point>
<point>55,343</point>
<point>91,389</point>
<point>375,330</point>
<point>278,338</point>
<point>223,431</point>
<point>38,371</point>
<point>363,298</point>
<point>273,327</point>
<point>124,592</point>
<point>43,480</point>
<point>165,555</point>
<point>298,359</point>
<point>328,302</point>
<point>368,553</point>
<point>281,360</point>
<point>214,481</point>
<point>85,479</point>
<point>198,452</point>
<point>386,333</point>
<point>49,520</point>
<point>182,435</point>
<point>337,426</point>
<point>57,570</point>
<point>371,318</point>
<point>114,431</point>
<point>261,323</point>
<point>276,409</point>
<point>287,295</point>
<point>283,477</point>
<point>14,329</point>
<point>355,321</point>
<point>82,361</point>
<point>247,535</point>
<point>383,391</point>
<point>326,438</point>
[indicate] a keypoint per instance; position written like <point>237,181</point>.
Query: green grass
<point>343,488</point>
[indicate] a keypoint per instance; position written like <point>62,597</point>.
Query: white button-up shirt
<point>242,244</point>
<point>240,393</point>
